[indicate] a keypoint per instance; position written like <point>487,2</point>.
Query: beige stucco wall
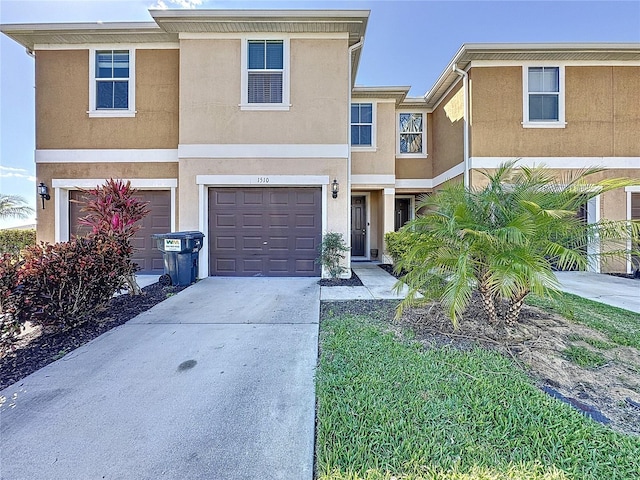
<point>446,132</point>
<point>62,101</point>
<point>46,172</point>
<point>380,161</point>
<point>602,114</point>
<point>210,95</point>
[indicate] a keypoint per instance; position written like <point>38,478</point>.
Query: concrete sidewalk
<point>377,285</point>
<point>607,289</point>
<point>216,382</point>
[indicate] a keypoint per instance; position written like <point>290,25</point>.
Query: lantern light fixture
<point>43,191</point>
<point>335,188</point>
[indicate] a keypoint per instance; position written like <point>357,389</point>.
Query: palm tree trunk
<point>515,305</point>
<point>488,302</point>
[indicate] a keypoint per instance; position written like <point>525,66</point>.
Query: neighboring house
<point>241,124</point>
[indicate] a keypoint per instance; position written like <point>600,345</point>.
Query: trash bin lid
<point>186,235</point>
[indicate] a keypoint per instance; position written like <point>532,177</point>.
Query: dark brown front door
<point>403,207</point>
<point>264,231</point>
<point>358,226</point>
<point>146,255</point>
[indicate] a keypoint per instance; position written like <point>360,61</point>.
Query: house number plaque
<point>263,179</point>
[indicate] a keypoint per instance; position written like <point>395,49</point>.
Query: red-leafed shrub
<point>61,284</point>
<point>114,211</point>
<point>10,322</point>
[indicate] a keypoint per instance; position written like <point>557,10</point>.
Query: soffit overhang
<point>29,35</point>
<point>351,22</point>
<point>397,94</point>
<point>534,52</point>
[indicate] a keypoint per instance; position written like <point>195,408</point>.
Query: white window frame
<point>286,75</point>
<point>374,112</point>
<point>102,113</point>
<point>526,123</point>
<point>423,154</point>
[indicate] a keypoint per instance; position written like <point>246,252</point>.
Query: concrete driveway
<point>217,382</point>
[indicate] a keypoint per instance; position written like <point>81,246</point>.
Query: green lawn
<point>622,327</point>
<point>389,409</point>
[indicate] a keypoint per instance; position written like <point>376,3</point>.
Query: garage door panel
<point>277,231</point>
<point>146,255</point>
<point>226,243</point>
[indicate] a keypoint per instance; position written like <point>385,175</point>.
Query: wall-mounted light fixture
<point>43,191</point>
<point>335,188</point>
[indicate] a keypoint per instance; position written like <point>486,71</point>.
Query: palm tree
<point>505,239</point>
<point>14,206</point>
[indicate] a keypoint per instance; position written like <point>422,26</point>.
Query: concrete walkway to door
<point>216,382</point>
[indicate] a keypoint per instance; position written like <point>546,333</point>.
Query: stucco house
<point>248,126</point>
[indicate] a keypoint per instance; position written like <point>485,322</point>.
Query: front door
<point>403,207</point>
<point>358,226</point>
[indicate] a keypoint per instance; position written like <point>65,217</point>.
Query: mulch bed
<point>353,281</point>
<point>36,349</point>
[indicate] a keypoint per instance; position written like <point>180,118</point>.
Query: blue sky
<point>407,43</point>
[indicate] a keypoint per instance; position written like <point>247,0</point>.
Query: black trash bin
<point>180,251</point>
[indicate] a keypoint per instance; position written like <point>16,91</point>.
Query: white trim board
<point>372,179</point>
<point>106,156</point>
<point>263,151</point>
<point>560,163</point>
<point>141,183</point>
<point>262,180</point>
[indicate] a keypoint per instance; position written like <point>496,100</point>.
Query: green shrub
<point>60,285</point>
<point>12,241</point>
<point>398,243</point>
<point>331,253</point>
<point>10,322</point>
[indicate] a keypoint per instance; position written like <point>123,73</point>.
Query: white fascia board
<point>262,36</point>
<point>262,180</point>
<point>560,163</point>
<point>566,63</point>
<point>263,151</point>
<point>106,46</point>
<point>107,156</point>
<point>373,179</point>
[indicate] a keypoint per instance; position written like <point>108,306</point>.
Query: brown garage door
<point>264,231</point>
<point>148,258</point>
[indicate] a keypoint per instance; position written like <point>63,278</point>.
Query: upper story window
<point>543,96</point>
<point>111,88</point>
<point>266,67</point>
<point>265,75</point>
<point>411,133</point>
<point>362,124</point>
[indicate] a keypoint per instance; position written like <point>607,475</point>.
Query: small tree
<point>14,206</point>
<point>331,254</point>
<point>113,210</point>
<point>505,239</point>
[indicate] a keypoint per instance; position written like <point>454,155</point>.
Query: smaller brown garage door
<point>146,255</point>
<point>264,231</point>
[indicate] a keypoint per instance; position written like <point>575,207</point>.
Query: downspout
<point>352,49</point>
<point>465,88</point>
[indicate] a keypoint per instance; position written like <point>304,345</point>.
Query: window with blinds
<point>265,70</point>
